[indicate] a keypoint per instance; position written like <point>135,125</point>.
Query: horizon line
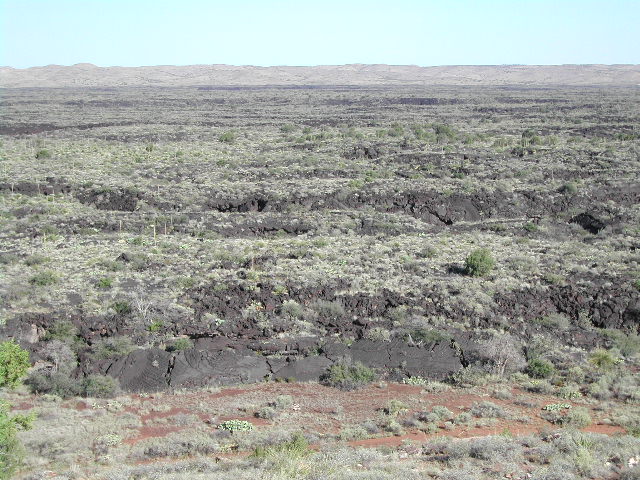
<point>89,64</point>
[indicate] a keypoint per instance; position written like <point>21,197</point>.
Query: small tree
<point>479,263</point>
<point>14,363</point>
<point>11,450</point>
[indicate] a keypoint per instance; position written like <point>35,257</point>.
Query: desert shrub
<point>62,330</point>
<point>348,376</point>
<point>429,335</point>
<point>9,258</point>
<point>54,383</point>
<point>469,376</point>
<point>491,448</point>
<point>353,432</point>
<point>104,282</point>
<point>392,426</point>
<point>627,344</point>
<point>569,188</point>
<point>370,427</point>
<point>603,359</point>
<point>417,380</point>
<point>554,320</point>
<point>577,417</point>
<point>181,344</point>
<point>180,445</point>
<point>502,393</point>
<point>287,128</point>
<point>622,386</point>
<point>43,154</point>
<point>100,386</point>
<point>267,412</point>
<point>378,334</point>
<point>438,413</point>
<point>479,263</point>
<point>567,417</point>
<point>395,407</point>
<point>488,410</point>
<point>282,402</point>
<point>540,368</point>
<point>36,259</point>
<point>462,418</point>
<point>155,326</point>
<point>297,447</point>
<point>59,354</point>
<point>44,278</point>
<point>332,310</point>
<point>227,137</point>
<point>121,307</point>
<point>503,353</point>
<point>292,309</point>
<point>113,347</point>
<point>11,450</point>
<point>539,386</point>
<point>444,132</point>
<point>570,392</point>
<point>14,363</point>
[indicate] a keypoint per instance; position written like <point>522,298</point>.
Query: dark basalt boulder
<point>142,370</point>
<point>303,369</point>
<point>192,368</point>
<point>364,151</point>
<point>124,200</point>
<point>589,222</point>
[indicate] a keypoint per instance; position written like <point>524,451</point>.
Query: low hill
<point>88,75</point>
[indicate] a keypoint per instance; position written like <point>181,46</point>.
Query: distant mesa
<point>89,75</point>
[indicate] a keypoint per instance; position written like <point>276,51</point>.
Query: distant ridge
<point>88,75</point>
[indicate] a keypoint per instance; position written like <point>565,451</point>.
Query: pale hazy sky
<point>252,32</point>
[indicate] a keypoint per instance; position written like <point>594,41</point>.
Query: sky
<point>327,32</point>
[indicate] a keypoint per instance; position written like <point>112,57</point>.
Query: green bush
<point>44,278</point>
<point>287,128</point>
<point>297,447</point>
<point>54,383</point>
<point>540,368</point>
<point>104,282</point>
<point>62,330</point>
<point>14,363</point>
<point>100,386</point>
<point>267,412</point>
<point>569,188</point>
<point>291,309</point>
<point>227,137</point>
<point>11,450</point>
<point>430,335</point>
<point>181,344</point>
<point>479,263</point>
<point>113,347</point>
<point>488,410</point>
<point>36,259</point>
<point>603,359</point>
<point>331,310</point>
<point>43,154</point>
<point>121,307</point>
<point>348,376</point>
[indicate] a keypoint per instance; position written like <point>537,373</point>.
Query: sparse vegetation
<point>171,275</point>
